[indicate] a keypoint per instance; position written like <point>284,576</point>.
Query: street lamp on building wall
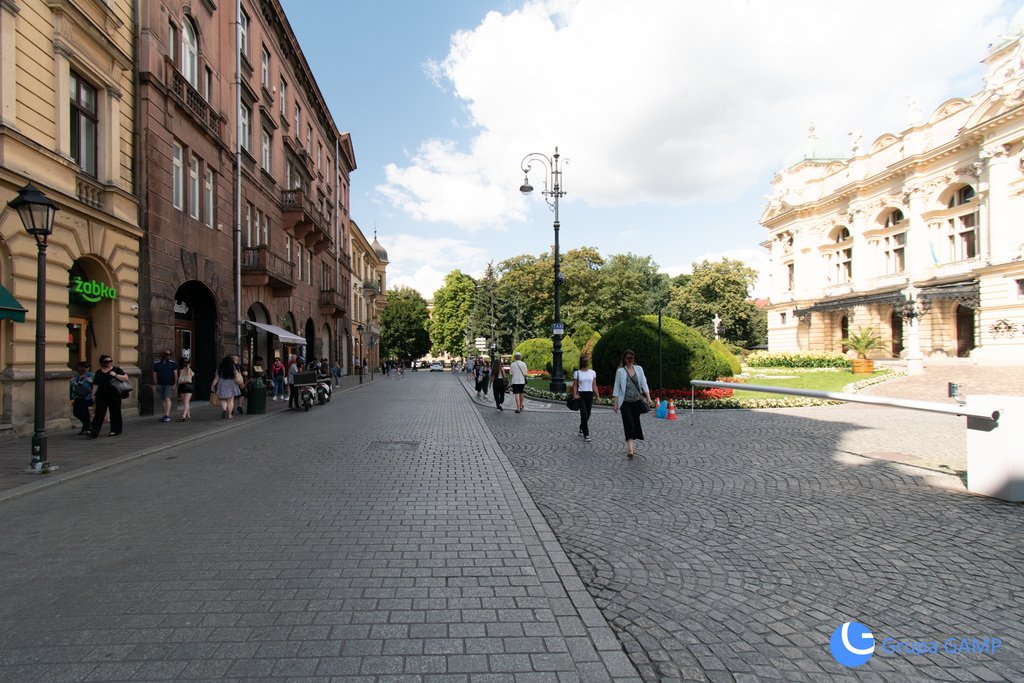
<point>36,212</point>
<point>912,311</point>
<point>552,192</point>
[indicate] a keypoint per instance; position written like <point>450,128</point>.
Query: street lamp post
<point>913,311</point>
<point>552,192</point>
<point>36,212</point>
<point>362,361</point>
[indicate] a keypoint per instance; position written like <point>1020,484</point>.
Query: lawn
<point>794,378</point>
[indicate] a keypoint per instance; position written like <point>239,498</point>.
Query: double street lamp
<point>552,192</point>
<point>36,212</point>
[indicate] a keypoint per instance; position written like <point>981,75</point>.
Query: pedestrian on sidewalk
<point>226,384</point>
<point>629,393</point>
<point>478,371</point>
<point>518,371</point>
<point>242,377</point>
<point>165,378</point>
<point>293,393</point>
<point>584,387</point>
<point>107,397</point>
<point>498,383</point>
<point>186,387</point>
<point>81,396</point>
<point>277,372</point>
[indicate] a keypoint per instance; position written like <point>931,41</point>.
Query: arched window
<point>840,257</point>
<point>893,218</point>
<point>962,229</point>
<point>894,246</point>
<point>190,53</point>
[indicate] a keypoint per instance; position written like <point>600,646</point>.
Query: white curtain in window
<point>190,54</point>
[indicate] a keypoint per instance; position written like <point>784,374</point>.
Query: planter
<point>862,366</point>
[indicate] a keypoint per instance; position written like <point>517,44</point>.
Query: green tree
<point>629,286</point>
<point>482,318</point>
<point>720,288</point>
<point>524,298</point>
<point>450,320</point>
<point>403,324</point>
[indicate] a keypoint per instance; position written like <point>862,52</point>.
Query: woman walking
<point>629,391</point>
<point>186,387</point>
<point>584,387</point>
<point>498,382</point>
<point>107,397</point>
<point>277,370</point>
<point>226,384</point>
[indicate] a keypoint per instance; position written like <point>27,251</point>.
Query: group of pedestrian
<point>100,392</point>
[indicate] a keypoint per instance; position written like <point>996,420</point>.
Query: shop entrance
<point>79,344</point>
<point>964,331</point>
<point>195,333</point>
<point>91,304</point>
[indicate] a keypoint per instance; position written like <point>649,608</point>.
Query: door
<point>78,341</point>
<point>183,343</point>
<point>896,324</point>
<point>964,331</point>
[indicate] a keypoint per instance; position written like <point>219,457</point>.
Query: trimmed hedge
<point>729,364</point>
<point>538,353</point>
<point>687,355</point>
<point>763,359</point>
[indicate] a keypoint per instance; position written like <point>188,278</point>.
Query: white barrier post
<point>995,450</point>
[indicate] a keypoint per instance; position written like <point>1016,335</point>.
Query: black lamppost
<point>552,192</point>
<point>362,361</point>
<point>36,212</point>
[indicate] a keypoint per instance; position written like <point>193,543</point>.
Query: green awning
<point>10,309</point>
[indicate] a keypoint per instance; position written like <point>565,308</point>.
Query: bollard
<point>995,450</point>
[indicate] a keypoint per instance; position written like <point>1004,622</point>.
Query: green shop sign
<point>91,290</point>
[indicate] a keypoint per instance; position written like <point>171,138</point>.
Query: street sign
<point>480,344</point>
<point>558,328</point>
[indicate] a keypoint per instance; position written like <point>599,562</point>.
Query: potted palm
<point>862,342</point>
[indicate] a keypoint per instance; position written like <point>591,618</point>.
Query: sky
<point>671,116</point>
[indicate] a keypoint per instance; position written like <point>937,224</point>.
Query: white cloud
<point>673,102</point>
<point>423,262</point>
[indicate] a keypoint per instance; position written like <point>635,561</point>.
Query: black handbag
<point>643,404</point>
<point>122,387</point>
<point>572,403</point>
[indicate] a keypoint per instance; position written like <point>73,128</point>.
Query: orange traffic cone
<point>672,410</point>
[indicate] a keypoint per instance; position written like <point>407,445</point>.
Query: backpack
<point>83,387</point>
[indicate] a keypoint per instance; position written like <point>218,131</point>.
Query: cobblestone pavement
<point>383,537</point>
<point>735,544</point>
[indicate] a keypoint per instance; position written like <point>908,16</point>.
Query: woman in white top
<point>584,387</point>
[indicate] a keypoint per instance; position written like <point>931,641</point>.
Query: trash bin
<point>257,398</point>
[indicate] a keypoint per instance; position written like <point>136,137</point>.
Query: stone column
<point>8,71</point>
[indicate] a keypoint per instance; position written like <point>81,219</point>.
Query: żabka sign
<point>91,290</point>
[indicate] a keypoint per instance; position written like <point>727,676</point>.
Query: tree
<point>482,320</point>
<point>449,324</point>
<point>403,325</point>
<point>720,288</point>
<point>629,286</point>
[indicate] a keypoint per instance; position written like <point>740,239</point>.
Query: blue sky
<point>674,114</point>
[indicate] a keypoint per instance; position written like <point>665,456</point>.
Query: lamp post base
<point>558,386</point>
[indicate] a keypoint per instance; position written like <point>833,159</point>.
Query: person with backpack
<point>81,396</point>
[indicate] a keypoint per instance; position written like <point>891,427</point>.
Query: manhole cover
<point>393,446</point>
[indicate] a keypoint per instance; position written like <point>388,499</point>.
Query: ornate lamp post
<point>913,310</point>
<point>362,361</point>
<point>36,212</point>
<point>552,192</point>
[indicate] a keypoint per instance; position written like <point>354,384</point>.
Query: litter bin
<point>257,398</point>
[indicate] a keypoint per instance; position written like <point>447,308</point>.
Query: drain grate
<point>393,446</point>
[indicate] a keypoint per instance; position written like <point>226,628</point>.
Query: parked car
<point>436,367</point>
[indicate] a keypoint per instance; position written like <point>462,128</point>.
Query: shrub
<point>729,364</point>
<point>763,359</point>
<point>686,353</point>
<point>538,352</point>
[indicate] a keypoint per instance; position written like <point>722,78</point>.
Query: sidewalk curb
<point>55,480</point>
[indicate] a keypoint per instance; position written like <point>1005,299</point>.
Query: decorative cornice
<point>10,6</point>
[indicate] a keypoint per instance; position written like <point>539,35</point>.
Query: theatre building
<point>246,202</point>
<point>66,122</point>
<point>918,231</point>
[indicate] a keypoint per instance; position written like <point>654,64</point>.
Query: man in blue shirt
<point>165,378</point>
<point>81,396</point>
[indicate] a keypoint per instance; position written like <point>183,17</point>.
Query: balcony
<point>190,100</point>
<point>332,303</point>
<point>304,221</point>
<point>261,268</point>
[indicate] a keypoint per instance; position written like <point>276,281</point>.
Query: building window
<point>208,84</point>
<point>288,248</point>
<point>844,266</point>
<point>309,138</point>
<point>265,69</point>
<point>894,218</point>
<point>178,177</point>
<point>208,196</point>
<point>1020,289</point>
<point>288,175</point>
<point>319,156</point>
<point>193,187</point>
<point>245,122</point>
<point>190,53</point>
<point>284,97</point>
<point>840,269</point>
<point>298,121</point>
<point>298,260</point>
<point>961,196</point>
<point>172,42</point>
<point>243,32</point>
<point>265,151</point>
<point>782,318</point>
<point>83,124</point>
<point>790,273</point>
<point>266,229</point>
<point>895,253</point>
<point>248,224</point>
<point>309,267</point>
<point>962,230</point>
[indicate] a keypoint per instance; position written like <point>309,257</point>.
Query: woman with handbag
<point>632,398</point>
<point>227,383</point>
<point>186,387</point>
<point>584,388</point>
<point>108,389</point>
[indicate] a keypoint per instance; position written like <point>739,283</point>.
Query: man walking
<point>518,372</point>
<point>165,377</point>
<point>81,396</point>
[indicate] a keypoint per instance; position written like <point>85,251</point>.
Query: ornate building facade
<point>369,295</point>
<point>918,236</point>
<point>67,126</point>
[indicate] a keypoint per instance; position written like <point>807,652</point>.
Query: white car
<point>436,367</point>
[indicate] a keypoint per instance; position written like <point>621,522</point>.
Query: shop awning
<point>281,333</point>
<point>10,309</point>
